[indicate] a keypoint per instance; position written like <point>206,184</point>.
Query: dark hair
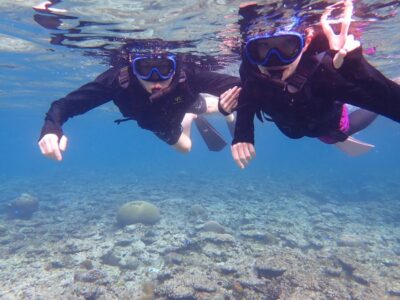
<point>319,41</point>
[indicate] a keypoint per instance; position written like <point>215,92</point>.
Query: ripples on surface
<point>48,46</point>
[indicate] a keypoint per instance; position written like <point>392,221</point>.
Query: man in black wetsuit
<point>286,81</point>
<point>154,90</point>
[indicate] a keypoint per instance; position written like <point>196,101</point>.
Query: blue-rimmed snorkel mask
<point>153,67</point>
<point>274,50</point>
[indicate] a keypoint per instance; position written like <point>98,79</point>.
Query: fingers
<point>49,146</point>
<point>42,6</point>
<point>242,153</point>
<point>351,43</point>
<point>247,153</point>
<point>347,14</point>
<point>63,143</point>
<point>343,42</point>
<point>252,150</point>
<point>236,156</point>
<point>46,7</point>
<point>246,4</point>
<point>326,27</point>
<point>229,99</point>
<point>339,58</point>
<point>232,100</point>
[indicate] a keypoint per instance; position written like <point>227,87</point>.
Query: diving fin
<point>212,138</point>
<point>354,147</point>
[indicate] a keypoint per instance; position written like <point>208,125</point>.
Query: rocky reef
<point>138,212</point>
<point>22,207</point>
<point>252,242</point>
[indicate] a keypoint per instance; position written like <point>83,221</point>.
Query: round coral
<point>23,207</point>
<point>138,212</point>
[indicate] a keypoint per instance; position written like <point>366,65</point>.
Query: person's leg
<point>211,102</point>
<point>211,105</point>
<point>360,119</point>
<point>184,143</point>
<point>351,123</point>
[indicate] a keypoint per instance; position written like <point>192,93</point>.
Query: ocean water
<point>302,221</point>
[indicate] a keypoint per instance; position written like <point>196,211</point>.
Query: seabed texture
<point>218,238</point>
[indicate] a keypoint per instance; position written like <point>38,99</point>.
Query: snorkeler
<point>287,80</point>
<point>153,89</point>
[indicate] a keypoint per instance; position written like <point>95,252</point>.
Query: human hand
<point>342,42</point>
<point>51,146</point>
<point>242,153</point>
<point>229,99</point>
<point>46,7</point>
<point>247,4</point>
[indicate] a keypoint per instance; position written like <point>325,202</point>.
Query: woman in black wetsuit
<point>152,89</point>
<point>303,91</point>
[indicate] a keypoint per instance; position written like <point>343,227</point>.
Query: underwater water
<point>302,221</point>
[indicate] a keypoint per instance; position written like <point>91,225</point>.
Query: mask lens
<point>143,67</point>
<point>147,68</point>
<point>281,49</point>
<point>289,46</point>
<point>258,50</point>
<point>165,67</point>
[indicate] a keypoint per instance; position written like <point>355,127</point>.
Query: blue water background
<point>100,150</point>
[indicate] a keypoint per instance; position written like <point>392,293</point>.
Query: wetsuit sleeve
<point>212,83</point>
<point>78,102</point>
<point>244,129</point>
<point>368,88</point>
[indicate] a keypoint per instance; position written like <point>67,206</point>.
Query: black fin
<point>212,138</point>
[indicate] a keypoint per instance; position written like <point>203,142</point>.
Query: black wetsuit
<point>162,116</point>
<point>316,109</point>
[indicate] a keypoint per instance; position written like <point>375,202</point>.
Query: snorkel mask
<point>274,50</point>
<point>153,67</point>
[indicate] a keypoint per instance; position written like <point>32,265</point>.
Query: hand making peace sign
<point>342,42</point>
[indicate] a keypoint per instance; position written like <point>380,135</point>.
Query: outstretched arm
<point>365,86</point>
<point>243,143</point>
<point>52,140</point>
<point>184,143</point>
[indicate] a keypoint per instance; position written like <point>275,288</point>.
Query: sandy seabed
<point>221,238</point>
